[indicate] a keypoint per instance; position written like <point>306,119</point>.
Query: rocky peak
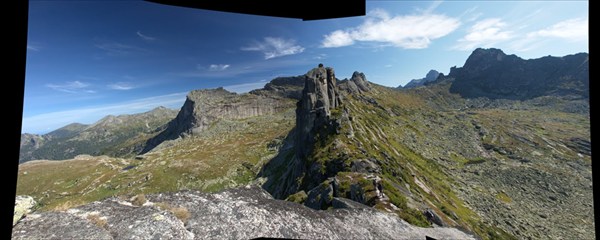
<point>313,111</point>
<point>360,81</point>
<point>431,76</point>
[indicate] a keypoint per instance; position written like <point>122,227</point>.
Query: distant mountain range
<point>431,76</point>
<point>123,135</point>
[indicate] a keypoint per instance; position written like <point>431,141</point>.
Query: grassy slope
<point>226,155</point>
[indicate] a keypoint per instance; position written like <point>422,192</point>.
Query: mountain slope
<point>121,135</point>
<point>491,73</point>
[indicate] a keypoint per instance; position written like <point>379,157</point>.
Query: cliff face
<point>313,111</point>
<point>204,107</point>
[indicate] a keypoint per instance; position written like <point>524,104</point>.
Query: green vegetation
<point>503,197</point>
<point>298,197</point>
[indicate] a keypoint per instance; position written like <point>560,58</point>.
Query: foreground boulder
<point>23,206</point>
<point>243,213</point>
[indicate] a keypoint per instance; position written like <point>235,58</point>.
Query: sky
<point>89,59</point>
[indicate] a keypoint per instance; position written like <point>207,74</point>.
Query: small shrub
<point>181,213</point>
<point>139,200</point>
<point>298,197</point>
<point>97,220</point>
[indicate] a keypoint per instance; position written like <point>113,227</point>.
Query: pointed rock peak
<point>486,55</point>
<point>432,75</point>
<point>361,82</point>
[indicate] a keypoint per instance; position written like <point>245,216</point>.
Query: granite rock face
<point>243,213</point>
<point>313,110</point>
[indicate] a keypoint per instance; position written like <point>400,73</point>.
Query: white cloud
<point>485,33</point>
<point>408,31</point>
<point>45,122</point>
<point>145,37</point>
<point>121,86</point>
<point>337,38</point>
<point>571,29</point>
<point>72,87</point>
<point>218,67</point>
<point>275,47</point>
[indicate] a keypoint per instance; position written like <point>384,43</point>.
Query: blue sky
<point>88,59</point>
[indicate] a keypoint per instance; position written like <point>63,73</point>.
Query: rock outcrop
<point>23,206</point>
<point>493,74</point>
<point>204,107</point>
<point>243,213</point>
<point>313,112</point>
<point>357,84</point>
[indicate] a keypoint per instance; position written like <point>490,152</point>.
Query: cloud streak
<point>71,87</point>
<point>33,48</point>
<point>408,31</point>
<point>145,37</point>
<point>218,67</point>
<point>272,47</point>
<point>245,87</point>
<point>122,86</point>
<point>45,122</point>
<point>119,49</point>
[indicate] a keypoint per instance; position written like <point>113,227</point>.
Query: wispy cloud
<point>470,14</point>
<point>145,37</point>
<point>121,86</point>
<point>218,67</point>
<point>485,33</point>
<point>33,48</point>
<point>434,5</point>
<point>245,87</point>
<point>119,49</point>
<point>320,56</point>
<point>571,29</point>
<point>273,47</point>
<point>45,122</point>
<point>72,87</point>
<point>408,31</point>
